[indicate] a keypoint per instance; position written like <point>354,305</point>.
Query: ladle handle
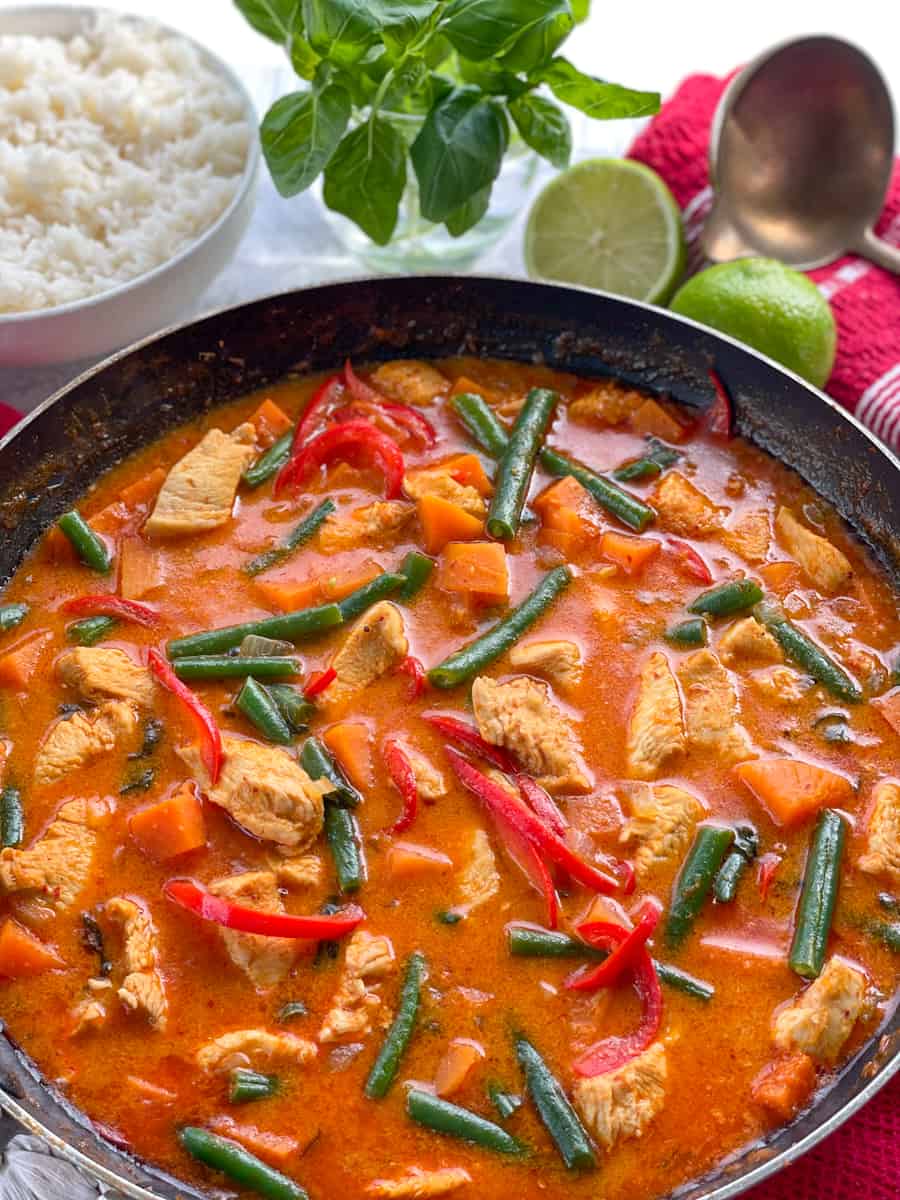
<point>880,252</point>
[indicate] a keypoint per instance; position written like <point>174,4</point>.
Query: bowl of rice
<point>128,163</point>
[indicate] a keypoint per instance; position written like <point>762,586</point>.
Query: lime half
<point>607,223</point>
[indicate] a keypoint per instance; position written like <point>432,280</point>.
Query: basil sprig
<point>468,68</point>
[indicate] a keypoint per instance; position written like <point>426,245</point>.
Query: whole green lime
<point>771,307</point>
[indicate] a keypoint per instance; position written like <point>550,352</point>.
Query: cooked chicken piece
<point>410,382</point>
<point>781,685</point>
<point>684,509</point>
<point>142,987</point>
<point>79,739</point>
<point>419,1184</point>
<point>374,646</point>
<point>622,1103</point>
<point>520,716</point>
<point>373,526</point>
<point>656,726</point>
<point>87,1015</point>
<point>58,863</point>
<point>711,709</point>
<point>662,820</point>
<point>199,490</point>
<point>299,873</point>
<point>608,402</point>
<point>828,569</point>
<point>479,880</point>
<point>264,790</point>
<point>437,481</point>
<point>558,661</point>
<point>254,1048</point>
<point>264,960</point>
<point>369,957</point>
<point>98,673</point>
<point>882,855</point>
<point>747,640</point>
<point>429,781</point>
<point>749,537</point>
<point>821,1018</point>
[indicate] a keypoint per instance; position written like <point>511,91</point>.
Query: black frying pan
<point>48,462</point>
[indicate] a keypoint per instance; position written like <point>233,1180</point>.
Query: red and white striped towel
<point>865,299</point>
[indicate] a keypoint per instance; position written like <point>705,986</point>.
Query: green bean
<point>244,1085</point>
<point>370,593</point>
<point>319,764</point>
<point>682,982</point>
<point>516,467</point>
<point>629,509</point>
<point>222,1154</point>
<point>472,658</point>
<point>807,654</point>
<point>653,462</point>
<point>886,932</point>
<point>444,1117</point>
<point>301,533</point>
<point>743,851</point>
<point>288,1012</point>
<point>269,462</point>
<point>397,1038</point>
<point>506,1103</point>
<point>695,879</point>
<point>727,598</point>
<point>12,817</point>
<point>292,704</point>
<point>481,423</point>
<point>89,547</point>
<point>818,895</point>
<point>342,834</point>
<point>12,615</point>
<point>688,633</point>
<point>91,630</point>
<point>258,707</point>
<point>292,626</point>
<point>233,666</point>
<point>559,1117</point>
<point>416,570</point>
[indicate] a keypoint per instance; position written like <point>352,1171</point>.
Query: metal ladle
<point>801,153</point>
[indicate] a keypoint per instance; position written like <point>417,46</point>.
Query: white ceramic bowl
<point>151,301</point>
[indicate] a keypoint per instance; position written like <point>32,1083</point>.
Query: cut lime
<point>607,223</point>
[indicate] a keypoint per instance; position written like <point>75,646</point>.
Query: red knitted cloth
<point>865,299</point>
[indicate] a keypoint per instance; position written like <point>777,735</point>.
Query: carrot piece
<point>270,423</point>
<point>56,547</point>
<point>290,594</point>
<point>566,509</point>
<point>443,522</point>
<point>19,663</point>
<point>791,790</point>
<point>465,384</point>
<point>889,707</point>
<point>653,420</point>
<point>274,1148</point>
<point>468,469</point>
<point>351,744</point>
<point>172,826</point>
<point>784,1085</point>
<point>780,577</point>
<point>459,1059</point>
<point>567,544</point>
<point>21,953</point>
<point>141,570</point>
<point>406,860</point>
<point>133,501</point>
<point>630,553</point>
<point>476,567</point>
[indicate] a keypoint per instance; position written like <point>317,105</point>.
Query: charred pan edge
<point>52,459</point>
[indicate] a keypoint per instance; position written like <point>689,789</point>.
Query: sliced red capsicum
<point>690,560</point>
<point>318,682</point>
<point>604,934</point>
<point>401,414</point>
<point>541,804</point>
<point>106,605</point>
<point>326,395</point>
<point>210,738</point>
<point>353,441</point>
<point>718,419</point>
<point>614,1052</point>
<point>526,857</point>
<point>415,669</point>
<point>404,780</point>
<point>462,732</point>
<point>317,927</point>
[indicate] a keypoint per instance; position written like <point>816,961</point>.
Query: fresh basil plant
<point>467,68</point>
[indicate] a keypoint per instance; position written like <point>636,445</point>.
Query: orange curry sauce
<point>143,1082</point>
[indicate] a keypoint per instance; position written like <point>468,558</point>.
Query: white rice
<point>118,147</point>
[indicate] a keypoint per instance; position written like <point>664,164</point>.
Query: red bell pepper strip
<point>462,732</point>
<point>541,804</point>
<point>324,397</point>
<point>106,605</point>
<point>411,420</point>
<point>528,860</point>
<point>614,1052</point>
<point>516,813</point>
<point>351,441</point>
<point>210,738</point>
<point>605,934</point>
<point>414,668</point>
<point>718,419</point>
<point>317,926</point>
<point>691,561</point>
<point>404,780</point>
<point>318,682</point>
<point>765,873</point>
